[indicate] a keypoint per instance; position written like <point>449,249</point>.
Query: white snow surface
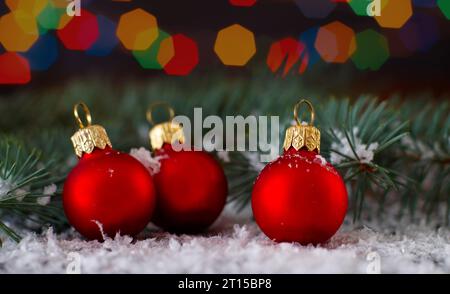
<point>235,245</point>
<point>365,152</point>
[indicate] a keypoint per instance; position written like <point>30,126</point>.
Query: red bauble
<point>299,198</point>
<point>111,189</point>
<point>191,190</point>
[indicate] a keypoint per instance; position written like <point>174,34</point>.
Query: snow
<point>365,152</point>
<point>255,161</point>
<point>5,187</point>
<point>424,151</point>
<point>49,190</point>
<point>321,160</point>
<point>235,245</point>
<point>145,157</point>
<point>224,156</point>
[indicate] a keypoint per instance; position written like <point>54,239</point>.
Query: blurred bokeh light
<point>148,59</point>
<point>288,51</point>
<point>420,33</point>
<point>394,13</point>
<point>44,52</point>
<point>81,32</point>
<point>18,31</point>
<point>14,69</point>
<point>335,42</point>
<point>373,50</point>
<point>137,29</point>
<point>308,38</point>
<point>242,3</point>
<point>315,8</point>
<point>185,57</point>
<point>235,45</point>
<point>107,39</point>
<point>444,5</point>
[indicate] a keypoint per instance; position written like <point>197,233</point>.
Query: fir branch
<point>22,184</point>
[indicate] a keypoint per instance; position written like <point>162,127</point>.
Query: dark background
<point>270,20</point>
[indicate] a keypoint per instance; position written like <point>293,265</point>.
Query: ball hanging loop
<point>191,187</point>
<point>164,132</point>
<point>106,187</point>
<point>157,104</point>
<point>311,197</point>
<point>86,112</point>
<point>311,110</point>
<point>89,136</point>
<point>303,135</point>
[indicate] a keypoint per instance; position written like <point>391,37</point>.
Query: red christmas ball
<point>111,189</point>
<point>299,197</point>
<point>191,190</point>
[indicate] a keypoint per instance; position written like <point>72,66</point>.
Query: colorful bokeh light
<point>166,51</point>
<point>31,7</point>
<point>107,39</point>
<point>444,5</point>
<point>81,32</point>
<point>360,7</point>
<point>14,69</point>
<point>148,59</point>
<point>235,45</point>
<point>420,33</point>
<point>53,16</point>
<point>185,57</point>
<point>308,38</point>
<point>243,3</point>
<point>44,53</point>
<point>137,29</point>
<point>335,42</point>
<point>18,31</point>
<point>373,50</point>
<point>315,8</point>
<point>394,13</point>
<point>287,51</point>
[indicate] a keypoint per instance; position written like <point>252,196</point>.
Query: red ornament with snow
<point>108,192</point>
<point>300,197</point>
<point>191,186</point>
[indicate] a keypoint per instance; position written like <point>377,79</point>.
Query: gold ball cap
<point>303,135</point>
<point>86,139</point>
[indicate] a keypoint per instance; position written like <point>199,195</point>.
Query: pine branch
<point>23,178</point>
<point>411,159</point>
